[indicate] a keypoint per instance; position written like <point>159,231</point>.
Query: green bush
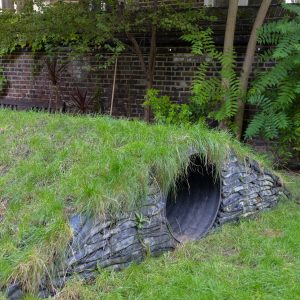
<point>276,93</point>
<point>3,81</point>
<point>166,112</point>
<point>214,98</point>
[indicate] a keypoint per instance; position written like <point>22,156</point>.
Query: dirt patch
<point>3,170</point>
<point>3,208</point>
<point>273,233</point>
<point>229,251</point>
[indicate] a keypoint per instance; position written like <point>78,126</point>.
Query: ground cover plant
<point>52,166</point>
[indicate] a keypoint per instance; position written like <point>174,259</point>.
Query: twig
<point>114,86</point>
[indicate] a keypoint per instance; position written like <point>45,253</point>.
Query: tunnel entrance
<point>192,209</point>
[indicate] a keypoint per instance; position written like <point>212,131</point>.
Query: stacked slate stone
<point>246,189</point>
<point>115,243</point>
<point>100,244</point>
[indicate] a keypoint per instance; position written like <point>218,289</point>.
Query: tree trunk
<point>149,85</point>
<point>230,26</point>
<point>229,41</point>
<point>248,62</point>
<point>151,68</point>
<point>24,5</point>
<point>7,4</point>
<point>148,70</point>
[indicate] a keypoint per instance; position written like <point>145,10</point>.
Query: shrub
<point>276,93</point>
<point>166,112</point>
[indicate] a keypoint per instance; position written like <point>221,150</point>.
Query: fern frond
<point>297,87</point>
<point>276,75</point>
<point>292,8</point>
<point>286,46</point>
<point>255,125</point>
<point>202,41</point>
<point>286,95</point>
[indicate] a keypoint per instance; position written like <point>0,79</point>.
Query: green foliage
<point>50,28</point>
<point>72,28</point>
<point>166,112</point>
<point>3,81</point>
<point>141,220</point>
<point>128,17</point>
<point>215,97</point>
<point>53,166</point>
<point>276,93</point>
<point>87,25</point>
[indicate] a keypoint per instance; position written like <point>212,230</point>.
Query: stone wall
<point>247,188</point>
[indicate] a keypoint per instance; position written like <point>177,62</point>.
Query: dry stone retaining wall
<point>246,188</point>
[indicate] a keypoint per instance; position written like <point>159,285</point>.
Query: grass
<point>52,166</point>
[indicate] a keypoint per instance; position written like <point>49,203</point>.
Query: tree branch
<point>248,63</point>
<point>152,55</point>
<point>137,49</point>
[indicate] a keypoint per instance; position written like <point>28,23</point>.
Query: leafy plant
<point>60,24</point>
<point>166,112</point>
<point>3,81</point>
<point>276,93</point>
<point>81,101</point>
<point>213,98</point>
<point>98,103</point>
<point>74,28</point>
<point>141,220</point>
<point>141,24</point>
<point>216,97</point>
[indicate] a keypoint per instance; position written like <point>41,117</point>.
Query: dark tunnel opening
<point>192,209</point>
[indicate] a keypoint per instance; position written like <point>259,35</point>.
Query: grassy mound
<point>52,166</point>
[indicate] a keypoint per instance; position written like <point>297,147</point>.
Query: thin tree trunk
<point>151,68</point>
<point>148,70</point>
<point>7,4</point>
<point>248,62</point>
<point>136,48</point>
<point>113,89</point>
<point>229,39</point>
<point>230,26</point>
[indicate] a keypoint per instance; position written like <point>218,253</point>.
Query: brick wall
<point>29,80</point>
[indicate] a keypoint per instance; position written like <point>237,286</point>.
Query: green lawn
<point>255,259</point>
